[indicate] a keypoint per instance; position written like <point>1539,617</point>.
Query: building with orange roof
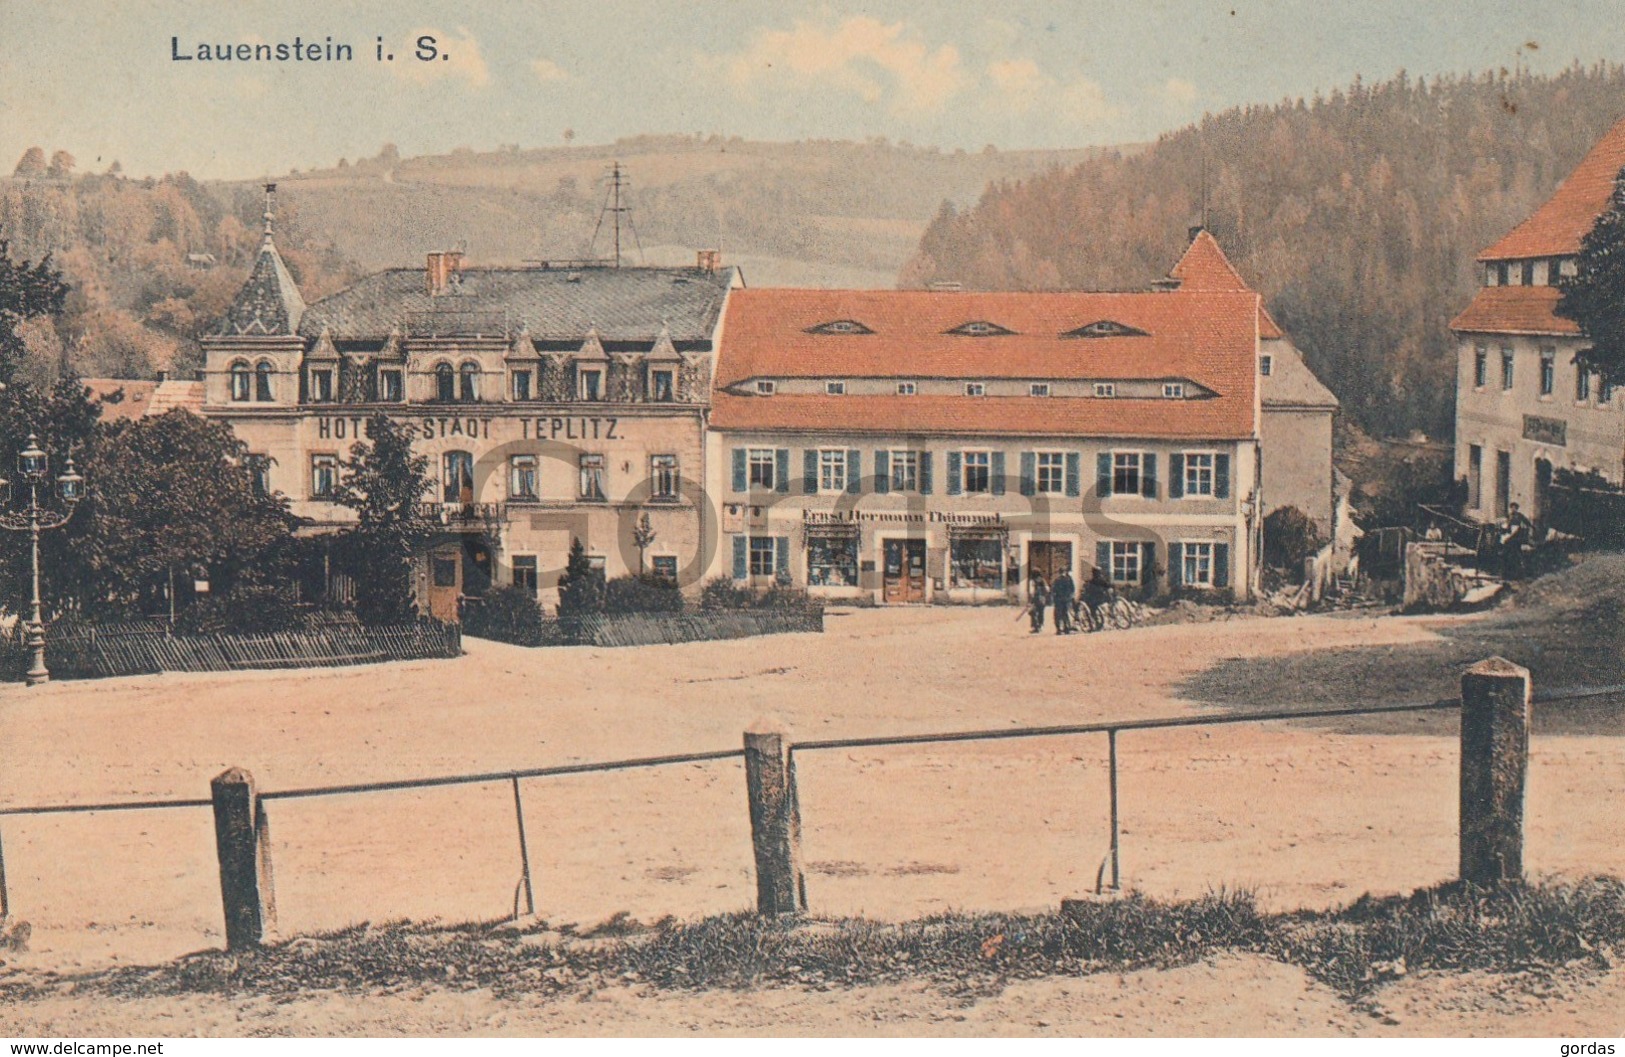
<point>907,446</point>
<point>1523,407</point>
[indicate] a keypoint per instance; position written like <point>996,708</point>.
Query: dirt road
<point>1306,816</point>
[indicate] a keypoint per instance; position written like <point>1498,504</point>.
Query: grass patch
<point>1356,949</point>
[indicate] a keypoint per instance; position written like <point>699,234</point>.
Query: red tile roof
<point>120,398</point>
<point>1205,267</point>
<point>1210,338</point>
<point>1557,227</point>
<point>1514,310</point>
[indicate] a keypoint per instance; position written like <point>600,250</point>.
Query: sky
<point>98,78</point>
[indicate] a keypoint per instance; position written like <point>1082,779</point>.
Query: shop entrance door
<point>445,582</point>
<point>1048,558</point>
<point>903,580</point>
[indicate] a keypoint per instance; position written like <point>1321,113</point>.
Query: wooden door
<point>445,583</point>
<point>903,576</point>
<point>1049,558</point>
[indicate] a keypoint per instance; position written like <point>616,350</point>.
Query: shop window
<point>663,478</point>
<point>832,560</point>
<point>976,561</point>
<point>524,572</point>
<point>592,478</point>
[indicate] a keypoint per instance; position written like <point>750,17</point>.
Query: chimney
<point>163,376</point>
<point>1195,230</point>
<point>708,260</point>
<point>443,266</point>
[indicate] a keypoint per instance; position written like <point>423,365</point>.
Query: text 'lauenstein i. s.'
<point>425,48</point>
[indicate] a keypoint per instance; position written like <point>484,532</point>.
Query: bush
<point>642,594</point>
<point>723,593</point>
<point>581,587</point>
<point>245,611</point>
<point>1290,538</point>
<point>507,614</point>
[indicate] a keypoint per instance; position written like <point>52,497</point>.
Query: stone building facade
<point>1524,409</point>
<point>552,404</point>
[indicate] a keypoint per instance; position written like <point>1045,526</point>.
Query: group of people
<point>1065,599</point>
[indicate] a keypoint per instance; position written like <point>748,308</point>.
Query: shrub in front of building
<point>1290,537</point>
<point>642,594</point>
<point>506,614</point>
<point>245,611</point>
<point>581,587</point>
<point>724,593</point>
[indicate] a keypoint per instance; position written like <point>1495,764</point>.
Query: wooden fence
<point>89,652</point>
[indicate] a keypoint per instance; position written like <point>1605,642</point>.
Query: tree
<point>581,587</point>
<point>61,167</point>
<point>643,534</point>
<point>384,482</point>
<point>32,163</point>
<point>1290,537</point>
<point>166,495</point>
<point>27,291</point>
<point>1595,297</point>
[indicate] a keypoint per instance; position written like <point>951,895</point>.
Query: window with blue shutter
<point>998,473</point>
<point>741,482</point>
<point>1148,563</point>
<point>882,472</point>
<point>1148,475</point>
<point>1221,476</point>
<point>854,471</point>
<point>741,558</point>
<point>781,469</point>
<point>781,557</point>
<point>1029,473</point>
<point>1074,471</point>
<point>1176,563</point>
<point>1221,565</point>
<point>1176,476</point>
<point>809,471</point>
<point>925,473</point>
<point>1103,474</point>
<point>954,473</point>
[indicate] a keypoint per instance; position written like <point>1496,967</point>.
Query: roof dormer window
<point>1105,328</point>
<point>1038,389</point>
<point>840,326</point>
<point>1173,390</point>
<point>906,389</point>
<point>1105,390</point>
<point>833,388</point>
<point>766,387</point>
<point>980,328</point>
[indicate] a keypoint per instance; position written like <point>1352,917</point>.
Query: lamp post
<point>32,467</point>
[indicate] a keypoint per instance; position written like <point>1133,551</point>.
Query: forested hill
<point>1357,215</point>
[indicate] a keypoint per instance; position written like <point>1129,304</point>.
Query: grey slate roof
<point>554,305</point>
<point>269,302</point>
<point>1290,382</point>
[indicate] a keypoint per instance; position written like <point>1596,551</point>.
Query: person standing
<point>1064,594</point>
<point>1515,532</point>
<point>1037,599</point>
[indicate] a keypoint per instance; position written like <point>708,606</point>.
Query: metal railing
<point>1110,728</point>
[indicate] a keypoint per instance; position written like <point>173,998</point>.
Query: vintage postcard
<point>573,519</point>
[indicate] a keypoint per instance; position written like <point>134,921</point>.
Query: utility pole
<point>617,208</point>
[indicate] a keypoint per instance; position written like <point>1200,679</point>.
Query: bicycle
<point>1115,612</point>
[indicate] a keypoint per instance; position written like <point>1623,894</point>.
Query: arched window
<point>468,389</point>
<point>445,383</point>
<point>242,386</point>
<point>457,477</point>
<point>262,381</point>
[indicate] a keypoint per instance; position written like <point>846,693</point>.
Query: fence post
<point>242,842</point>
<point>775,825</point>
<point>1494,761</point>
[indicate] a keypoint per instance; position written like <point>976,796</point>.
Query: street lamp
<point>33,466</point>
